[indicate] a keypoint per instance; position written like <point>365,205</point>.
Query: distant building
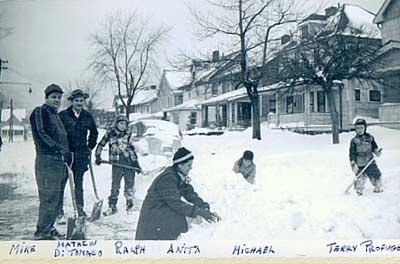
<point>13,128</point>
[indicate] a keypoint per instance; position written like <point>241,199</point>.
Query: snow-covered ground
<point>299,191</point>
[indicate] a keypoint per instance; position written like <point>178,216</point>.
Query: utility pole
<point>2,67</point>
<point>11,130</point>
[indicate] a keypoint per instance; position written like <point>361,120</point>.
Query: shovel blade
<point>96,212</point>
<point>76,228</point>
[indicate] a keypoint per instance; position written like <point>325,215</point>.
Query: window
<point>312,102</point>
<point>374,96</point>
<point>193,118</point>
<point>214,89</point>
<point>178,99</point>
<point>304,31</point>
<point>321,102</point>
<point>225,87</point>
<point>295,104</point>
<point>357,94</point>
<point>272,104</point>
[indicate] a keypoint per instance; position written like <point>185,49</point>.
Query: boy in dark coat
<point>246,167</point>
<point>121,151</point>
<point>52,151</point>
<point>82,136</point>
<point>163,214</point>
<point>362,150</point>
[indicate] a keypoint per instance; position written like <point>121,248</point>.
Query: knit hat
<point>77,93</point>
<point>121,118</point>
<point>248,155</point>
<point>182,155</point>
<point>53,88</point>
<point>361,121</point>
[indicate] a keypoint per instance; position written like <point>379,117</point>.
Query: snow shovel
<point>122,166</point>
<point>76,226</point>
<point>359,175</point>
<point>134,168</point>
<point>96,212</point>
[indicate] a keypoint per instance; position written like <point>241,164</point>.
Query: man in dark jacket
<point>78,123</point>
<point>51,146</point>
<point>163,214</point>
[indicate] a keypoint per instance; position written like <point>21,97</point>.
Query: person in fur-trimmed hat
<point>362,149</point>
<point>163,213</point>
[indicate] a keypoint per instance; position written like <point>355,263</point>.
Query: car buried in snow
<point>155,137</point>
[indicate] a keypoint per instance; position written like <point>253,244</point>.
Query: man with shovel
<point>82,138</point>
<point>121,152</point>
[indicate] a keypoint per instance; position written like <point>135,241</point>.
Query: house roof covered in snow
<point>142,96</point>
<point>353,20</point>
<point>380,16</point>
<point>187,105</point>
<point>18,113</point>
<point>238,94</point>
<point>177,79</point>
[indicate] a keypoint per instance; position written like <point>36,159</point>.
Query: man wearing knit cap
<point>52,151</point>
<point>163,214</point>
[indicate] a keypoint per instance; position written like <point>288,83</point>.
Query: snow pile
<point>299,190</point>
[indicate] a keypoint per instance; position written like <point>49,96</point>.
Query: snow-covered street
<point>299,191</point>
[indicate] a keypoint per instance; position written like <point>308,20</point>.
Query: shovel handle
<point>121,165</point>
<point>72,187</point>
<point>93,179</point>
<point>359,174</point>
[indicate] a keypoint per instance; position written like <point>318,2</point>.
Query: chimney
<point>285,39</point>
<point>330,11</point>
<point>215,55</point>
<point>153,87</point>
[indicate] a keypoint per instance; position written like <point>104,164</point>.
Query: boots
<point>111,210</point>
<point>129,206</point>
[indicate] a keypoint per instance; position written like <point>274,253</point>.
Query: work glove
<point>207,215</point>
<point>98,160</point>
<point>67,156</point>
<point>378,152</point>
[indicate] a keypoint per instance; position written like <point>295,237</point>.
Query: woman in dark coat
<point>163,214</point>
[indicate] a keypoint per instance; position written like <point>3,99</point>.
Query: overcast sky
<point>50,39</point>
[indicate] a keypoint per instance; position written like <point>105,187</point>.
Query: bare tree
<point>328,58</point>
<point>250,25</point>
<point>4,30</point>
<point>124,53</point>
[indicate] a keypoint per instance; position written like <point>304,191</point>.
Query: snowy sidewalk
<point>298,195</point>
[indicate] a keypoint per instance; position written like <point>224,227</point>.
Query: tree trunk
<point>255,106</point>
<point>333,114</point>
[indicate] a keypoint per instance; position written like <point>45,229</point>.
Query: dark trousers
<point>79,167</point>
<point>50,172</point>
<point>129,181</point>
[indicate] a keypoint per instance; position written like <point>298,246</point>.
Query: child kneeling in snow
<point>362,150</point>
<point>246,167</point>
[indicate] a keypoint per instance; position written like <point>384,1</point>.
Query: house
<point>13,127</point>
<point>303,107</point>
<point>142,102</point>
<point>388,20</point>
